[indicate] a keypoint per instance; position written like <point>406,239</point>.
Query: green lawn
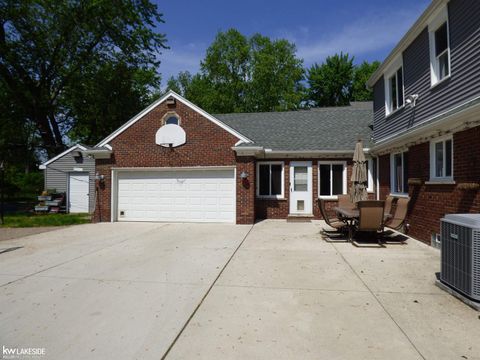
<point>32,220</point>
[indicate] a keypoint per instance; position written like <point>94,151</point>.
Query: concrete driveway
<point>109,291</point>
<point>274,291</point>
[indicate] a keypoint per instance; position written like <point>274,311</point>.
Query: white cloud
<point>371,32</point>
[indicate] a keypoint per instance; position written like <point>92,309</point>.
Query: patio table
<point>349,215</point>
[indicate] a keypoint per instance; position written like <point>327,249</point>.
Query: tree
<point>275,76</point>
<point>331,82</point>
<point>104,96</point>
<point>226,66</point>
<point>244,74</point>
<point>362,72</point>
<point>181,83</point>
<point>46,44</point>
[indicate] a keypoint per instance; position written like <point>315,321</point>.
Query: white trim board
<point>44,165</point>
<point>173,94</point>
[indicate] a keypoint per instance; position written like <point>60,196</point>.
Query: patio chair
<point>398,220</point>
<point>345,202</point>
<point>388,205</point>
<point>333,222</point>
<point>371,219</point>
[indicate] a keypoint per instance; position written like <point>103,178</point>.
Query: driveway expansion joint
<point>205,295</point>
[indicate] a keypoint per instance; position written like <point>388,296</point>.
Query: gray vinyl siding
<point>464,84</point>
<point>56,174</point>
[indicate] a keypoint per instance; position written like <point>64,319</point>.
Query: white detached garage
<point>174,195</point>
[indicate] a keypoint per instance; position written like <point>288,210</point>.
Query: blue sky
<point>367,29</point>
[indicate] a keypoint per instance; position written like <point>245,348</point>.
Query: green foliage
<point>362,72</point>
<point>226,66</point>
<point>242,74</point>
<point>34,220</point>
<point>105,96</point>
<point>46,45</point>
<point>276,75</point>
<point>331,82</point>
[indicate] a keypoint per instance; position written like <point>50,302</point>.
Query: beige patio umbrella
<point>359,179</point>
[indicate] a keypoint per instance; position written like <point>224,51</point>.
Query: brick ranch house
<point>232,168</point>
<point>237,168</point>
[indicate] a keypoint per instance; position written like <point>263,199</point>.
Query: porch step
<point>300,218</point>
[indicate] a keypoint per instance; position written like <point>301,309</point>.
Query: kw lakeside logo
<point>22,353</point>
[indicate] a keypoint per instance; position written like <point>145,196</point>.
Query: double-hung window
<point>399,173</point>
<point>332,179</point>
<point>394,88</point>
<point>395,83</point>
<point>441,159</point>
<point>270,182</point>
<point>439,47</point>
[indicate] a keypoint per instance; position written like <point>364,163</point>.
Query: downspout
<point>377,175</point>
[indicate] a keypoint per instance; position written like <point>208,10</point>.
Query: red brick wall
<point>207,145</point>
<point>430,202</point>
<point>246,190</point>
<point>279,209</point>
<point>384,176</point>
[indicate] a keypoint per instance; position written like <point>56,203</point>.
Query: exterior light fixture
<point>244,175</point>
<point>99,177</point>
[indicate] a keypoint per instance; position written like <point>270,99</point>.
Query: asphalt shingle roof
<point>336,128</point>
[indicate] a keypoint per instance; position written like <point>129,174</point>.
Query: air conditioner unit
<point>460,248</point>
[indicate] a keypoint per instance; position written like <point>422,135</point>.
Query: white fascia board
<point>248,150</point>
<point>407,39</point>
<point>98,153</point>
<point>75,147</point>
<point>173,94</point>
<point>311,152</point>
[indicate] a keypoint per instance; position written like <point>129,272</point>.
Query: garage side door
<point>78,188</point>
<point>182,196</point>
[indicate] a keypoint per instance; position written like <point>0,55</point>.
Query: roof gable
<point>192,106</point>
<point>59,156</point>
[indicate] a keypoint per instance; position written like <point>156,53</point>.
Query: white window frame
<point>344,178</point>
<point>435,22</point>
<point>371,185</point>
<point>392,174</point>
<point>433,162</point>
<point>282,195</point>
<point>392,71</point>
<point>170,114</point>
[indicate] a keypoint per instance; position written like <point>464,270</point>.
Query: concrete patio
<point>272,291</point>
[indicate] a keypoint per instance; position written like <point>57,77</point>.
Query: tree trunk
<point>51,137</point>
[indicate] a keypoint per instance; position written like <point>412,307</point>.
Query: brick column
<point>246,190</point>
<point>103,192</point>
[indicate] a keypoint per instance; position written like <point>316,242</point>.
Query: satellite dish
<point>170,135</point>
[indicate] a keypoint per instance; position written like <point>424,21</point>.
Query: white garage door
<point>183,196</point>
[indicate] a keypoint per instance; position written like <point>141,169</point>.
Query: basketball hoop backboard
<point>170,135</point>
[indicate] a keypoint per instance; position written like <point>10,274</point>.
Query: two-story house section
<point>426,125</point>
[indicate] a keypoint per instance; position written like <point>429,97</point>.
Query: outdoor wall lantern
<point>99,177</point>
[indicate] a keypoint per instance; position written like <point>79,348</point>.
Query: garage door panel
<point>185,196</point>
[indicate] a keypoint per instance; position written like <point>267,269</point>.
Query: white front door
<point>78,185</point>
<point>301,188</point>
